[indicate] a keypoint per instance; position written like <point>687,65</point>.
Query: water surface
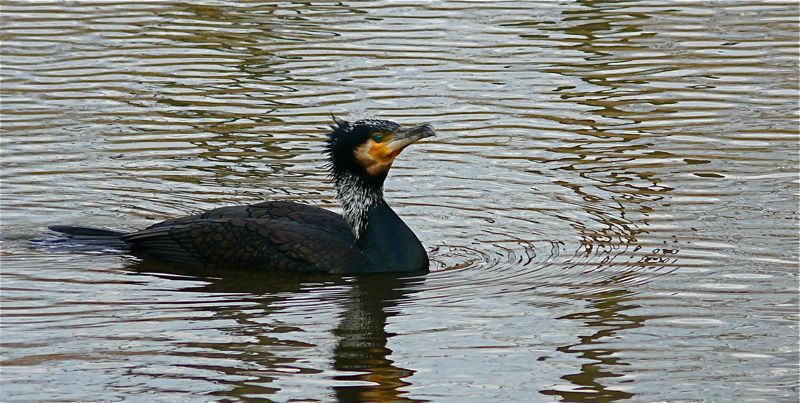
<point>610,207</point>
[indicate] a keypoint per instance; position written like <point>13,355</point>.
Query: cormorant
<point>278,235</point>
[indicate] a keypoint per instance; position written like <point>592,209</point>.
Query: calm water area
<point>610,207</point>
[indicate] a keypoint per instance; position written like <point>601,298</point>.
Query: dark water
<point>611,206</point>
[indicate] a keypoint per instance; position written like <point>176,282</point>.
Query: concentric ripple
<point>610,206</point>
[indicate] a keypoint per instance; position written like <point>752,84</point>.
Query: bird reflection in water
<point>364,371</point>
<point>362,340</point>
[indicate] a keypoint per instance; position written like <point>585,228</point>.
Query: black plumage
<point>279,235</point>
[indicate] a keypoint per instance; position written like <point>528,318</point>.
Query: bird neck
<point>358,198</point>
<point>386,241</point>
<point>389,244</point>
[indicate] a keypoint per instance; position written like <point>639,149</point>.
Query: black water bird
<point>278,235</point>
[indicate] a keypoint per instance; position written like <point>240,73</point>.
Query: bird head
<point>367,148</point>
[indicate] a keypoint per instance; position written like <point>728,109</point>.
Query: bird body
<point>278,235</point>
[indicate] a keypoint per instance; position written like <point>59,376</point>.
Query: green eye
<point>378,138</point>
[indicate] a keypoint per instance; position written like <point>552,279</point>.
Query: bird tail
<point>86,239</point>
<point>86,231</point>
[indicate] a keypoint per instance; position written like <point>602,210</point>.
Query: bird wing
<point>324,220</point>
<point>243,242</point>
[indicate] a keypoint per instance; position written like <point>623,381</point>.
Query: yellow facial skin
<point>377,157</point>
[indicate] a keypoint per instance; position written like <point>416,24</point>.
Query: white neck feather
<point>357,199</point>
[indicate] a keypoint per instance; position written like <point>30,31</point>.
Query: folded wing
<point>319,218</point>
<point>237,240</point>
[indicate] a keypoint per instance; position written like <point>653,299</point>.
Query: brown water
<point>610,208</point>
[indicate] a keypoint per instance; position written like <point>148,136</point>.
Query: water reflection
<point>361,356</point>
<point>609,318</point>
<point>617,184</point>
<point>362,340</point>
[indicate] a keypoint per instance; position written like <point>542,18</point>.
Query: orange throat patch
<point>376,158</point>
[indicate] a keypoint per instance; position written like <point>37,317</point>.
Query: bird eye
<point>378,138</point>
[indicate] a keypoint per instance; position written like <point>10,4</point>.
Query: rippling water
<point>610,207</point>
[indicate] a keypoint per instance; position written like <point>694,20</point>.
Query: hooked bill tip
<point>422,131</point>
